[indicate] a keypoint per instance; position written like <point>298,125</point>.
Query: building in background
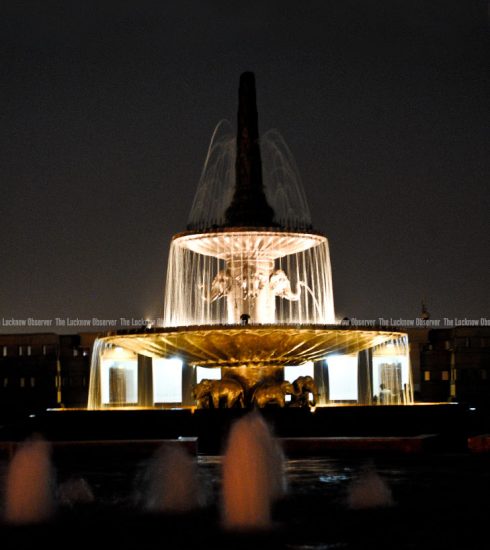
<point>40,371</point>
<point>417,338</point>
<point>455,365</point>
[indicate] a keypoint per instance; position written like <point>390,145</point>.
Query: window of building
<point>5,351</point>
<point>426,376</point>
<point>29,350</point>
<point>21,351</point>
<point>33,382</point>
<point>22,382</point>
<point>445,375</point>
<point>75,352</point>
<point>44,350</point>
<point>5,382</point>
<point>463,374</point>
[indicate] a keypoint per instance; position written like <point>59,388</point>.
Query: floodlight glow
<point>342,377</point>
<point>167,380</point>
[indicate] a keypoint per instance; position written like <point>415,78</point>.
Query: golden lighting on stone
<point>239,346</point>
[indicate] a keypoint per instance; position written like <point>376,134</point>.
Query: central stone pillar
<point>249,206</point>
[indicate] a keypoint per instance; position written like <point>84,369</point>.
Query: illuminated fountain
<point>248,295</point>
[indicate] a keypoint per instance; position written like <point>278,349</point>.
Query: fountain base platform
<point>451,422</point>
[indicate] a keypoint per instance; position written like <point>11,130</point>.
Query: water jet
<point>171,481</point>
<point>253,474</point>
<point>29,495</point>
<point>369,490</point>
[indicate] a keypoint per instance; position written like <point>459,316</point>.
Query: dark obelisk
<point>249,206</point>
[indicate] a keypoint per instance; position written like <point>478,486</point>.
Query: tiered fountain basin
<point>273,276</point>
<point>250,346</point>
<point>128,367</point>
<point>249,243</point>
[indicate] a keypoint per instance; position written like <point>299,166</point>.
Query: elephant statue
<point>272,393</point>
<point>226,393</point>
<point>281,286</point>
<point>251,281</point>
<point>220,286</point>
<point>201,393</point>
<point>303,387</point>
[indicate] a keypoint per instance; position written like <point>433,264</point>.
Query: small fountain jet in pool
<point>29,493</point>
<point>253,474</point>
<point>249,286</point>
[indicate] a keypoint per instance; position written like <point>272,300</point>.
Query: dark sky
<point>107,108</point>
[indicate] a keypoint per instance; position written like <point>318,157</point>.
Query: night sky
<point>107,109</point>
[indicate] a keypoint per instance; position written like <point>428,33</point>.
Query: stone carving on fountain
<point>226,393</point>
<point>229,393</point>
<point>272,393</point>
<point>251,281</point>
<point>303,387</point>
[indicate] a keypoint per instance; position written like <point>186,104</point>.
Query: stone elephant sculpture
<point>272,393</point>
<point>226,393</point>
<point>303,387</point>
<point>281,286</point>
<point>251,281</point>
<point>220,286</point>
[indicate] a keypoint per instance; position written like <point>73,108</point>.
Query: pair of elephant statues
<point>229,393</point>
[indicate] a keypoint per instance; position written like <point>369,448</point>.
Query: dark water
<point>439,501</point>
